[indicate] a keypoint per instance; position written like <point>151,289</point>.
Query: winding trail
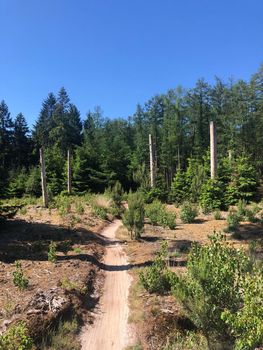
<point>110,328</point>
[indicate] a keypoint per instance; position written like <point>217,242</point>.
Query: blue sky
<point>117,53</point>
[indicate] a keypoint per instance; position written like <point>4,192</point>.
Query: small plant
<point>133,217</point>
<point>158,215</point>
<point>79,208</point>
<point>217,215</point>
<point>16,338</point>
<point>52,257</point>
<point>157,278</point>
<point>241,208</point>
<point>19,279</point>
<point>100,212</point>
<point>64,247</point>
<point>233,220</point>
<point>188,213</point>
<point>77,250</point>
<point>23,210</point>
<point>168,219</point>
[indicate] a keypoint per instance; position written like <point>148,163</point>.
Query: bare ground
<point>110,329</point>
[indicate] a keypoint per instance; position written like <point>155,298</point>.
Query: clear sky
<point>116,53</point>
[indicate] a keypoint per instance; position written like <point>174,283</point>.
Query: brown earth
<point>54,288</point>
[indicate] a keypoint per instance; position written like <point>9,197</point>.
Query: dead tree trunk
<point>213,150</point>
<point>69,173</point>
<point>152,161</point>
<point>43,178</point>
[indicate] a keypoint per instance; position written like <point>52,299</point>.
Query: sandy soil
<point>110,329</point>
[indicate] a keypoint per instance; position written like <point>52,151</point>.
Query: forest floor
<point>73,282</point>
<point>159,320</point>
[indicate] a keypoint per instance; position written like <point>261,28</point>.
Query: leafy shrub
<point>117,193</point>
<point>233,220</point>
<point>217,215</point>
<point>212,195</point>
<point>241,208</point>
<point>100,212</point>
<point>157,278</point>
<point>52,256</point>
<point>158,215</point>
<point>214,282</point>
<point>33,187</point>
<point>247,323</point>
<point>16,338</point>
<point>188,213</point>
<point>19,279</point>
<point>79,207</point>
<point>133,217</point>
<point>168,219</point>
<point>152,211</point>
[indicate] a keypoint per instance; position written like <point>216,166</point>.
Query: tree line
<point>109,150</point>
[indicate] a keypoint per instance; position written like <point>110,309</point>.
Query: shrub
<point>133,217</point>
<point>247,323</point>
<point>217,215</point>
<point>157,278</point>
<point>188,213</point>
<point>241,208</point>
<point>100,212</point>
<point>233,220</point>
<point>52,256</point>
<point>117,193</point>
<point>158,215</point>
<point>212,195</point>
<point>19,279</point>
<point>214,282</point>
<point>16,338</point>
<point>152,211</point>
<point>79,207</point>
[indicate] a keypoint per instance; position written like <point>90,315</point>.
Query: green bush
<point>16,338</point>
<point>52,256</point>
<point>213,284</point>
<point>241,208</point>
<point>217,215</point>
<point>158,215</point>
<point>188,212</point>
<point>178,187</point>
<point>233,220</point>
<point>212,195</point>
<point>133,217</point>
<point>19,279</point>
<point>100,212</point>
<point>157,278</point>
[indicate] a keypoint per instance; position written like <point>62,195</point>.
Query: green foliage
<point>133,217</point>
<point>100,212</point>
<point>179,187</point>
<point>188,213</point>
<point>157,278</point>
<point>16,338</point>
<point>247,323</point>
<point>52,256</point>
<point>213,283</point>
<point>19,279</point>
<point>158,215</point>
<point>212,195</point>
<point>233,220</point>
<point>217,215</point>
<point>243,182</point>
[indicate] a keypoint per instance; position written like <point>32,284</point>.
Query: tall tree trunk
<point>43,178</point>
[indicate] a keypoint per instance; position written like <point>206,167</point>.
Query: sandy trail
<point>110,329</point>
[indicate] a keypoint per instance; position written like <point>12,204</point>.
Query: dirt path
<point>110,329</point>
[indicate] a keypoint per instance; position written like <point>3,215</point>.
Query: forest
<point>108,150</point>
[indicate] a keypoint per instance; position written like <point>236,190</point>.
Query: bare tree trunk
<point>69,173</point>
<point>152,161</point>
<point>43,178</point>
<point>213,150</point>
